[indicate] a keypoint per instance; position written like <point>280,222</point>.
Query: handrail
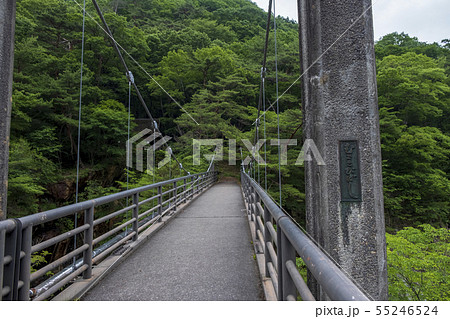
<point>56,213</point>
<point>291,241</point>
<point>16,235</point>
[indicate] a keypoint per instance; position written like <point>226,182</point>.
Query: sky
<point>428,20</point>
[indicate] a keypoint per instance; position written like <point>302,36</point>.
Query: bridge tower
<point>344,198</point>
<point>7,26</point>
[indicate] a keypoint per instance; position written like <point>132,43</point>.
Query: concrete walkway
<point>205,253</point>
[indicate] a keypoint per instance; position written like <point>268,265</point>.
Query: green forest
<point>207,55</point>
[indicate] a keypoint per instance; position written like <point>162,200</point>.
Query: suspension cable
<point>170,164</point>
<point>264,129</point>
<point>261,99</point>
<point>121,57</point>
<point>79,129</point>
<point>258,166</point>
<point>263,68</point>
<point>115,45</point>
<point>154,167</point>
<point>278,106</point>
<point>130,79</point>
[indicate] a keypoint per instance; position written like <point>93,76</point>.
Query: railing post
<point>242,181</point>
<point>279,263</point>
<point>9,269</point>
<point>2,256</point>
<point>135,215</point>
<point>267,239</point>
<point>249,202</point>
<point>194,184</point>
<point>192,187</point>
<point>88,238</point>
<point>252,204</point>
<point>247,191</point>
<point>160,200</point>
<point>287,253</point>
<point>257,225</point>
<point>175,194</point>
<point>256,213</point>
<point>184,190</point>
<point>25,264</point>
<point>244,188</point>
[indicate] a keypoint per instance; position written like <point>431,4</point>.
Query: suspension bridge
<point>196,237</point>
<point>203,240</point>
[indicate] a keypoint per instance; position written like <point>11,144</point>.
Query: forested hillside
<point>207,54</point>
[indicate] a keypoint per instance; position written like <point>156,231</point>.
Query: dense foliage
<point>419,263</point>
<point>207,54</point>
<point>414,99</point>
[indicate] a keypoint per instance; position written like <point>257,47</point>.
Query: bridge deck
<point>204,253</point>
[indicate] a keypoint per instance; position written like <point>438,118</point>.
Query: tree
<point>401,43</point>
<point>416,87</point>
<point>29,174</point>
<point>418,264</point>
<point>214,30</point>
<point>105,132</point>
<point>218,111</point>
<point>415,173</point>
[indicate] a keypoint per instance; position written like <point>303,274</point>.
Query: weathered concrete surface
<point>340,104</point>
<point>7,26</point>
<point>205,253</point>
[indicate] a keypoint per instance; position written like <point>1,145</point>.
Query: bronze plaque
<point>349,170</point>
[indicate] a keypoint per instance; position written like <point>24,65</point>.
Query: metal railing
<point>281,240</point>
<point>17,245</point>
